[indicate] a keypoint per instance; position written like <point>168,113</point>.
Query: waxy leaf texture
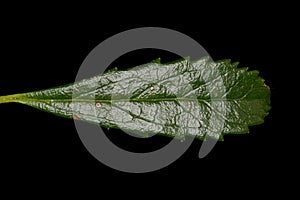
<point>177,99</point>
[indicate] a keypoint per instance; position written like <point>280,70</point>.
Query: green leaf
<point>176,99</point>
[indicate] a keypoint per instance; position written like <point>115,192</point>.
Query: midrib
<point>19,98</point>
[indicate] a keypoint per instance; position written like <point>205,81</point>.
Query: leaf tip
<point>265,85</point>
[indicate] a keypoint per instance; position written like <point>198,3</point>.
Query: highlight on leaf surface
<point>177,99</point>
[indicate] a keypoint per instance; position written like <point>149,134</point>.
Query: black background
<point>42,49</point>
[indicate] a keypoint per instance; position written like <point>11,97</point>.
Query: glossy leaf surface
<point>175,99</point>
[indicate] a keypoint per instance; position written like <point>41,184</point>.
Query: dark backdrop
<point>44,50</point>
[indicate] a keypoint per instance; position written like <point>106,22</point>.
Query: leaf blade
<point>175,99</point>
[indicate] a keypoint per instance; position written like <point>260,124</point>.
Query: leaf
<point>177,99</point>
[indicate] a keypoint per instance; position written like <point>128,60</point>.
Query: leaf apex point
<point>265,85</point>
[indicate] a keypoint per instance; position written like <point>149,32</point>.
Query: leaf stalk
<point>9,98</point>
